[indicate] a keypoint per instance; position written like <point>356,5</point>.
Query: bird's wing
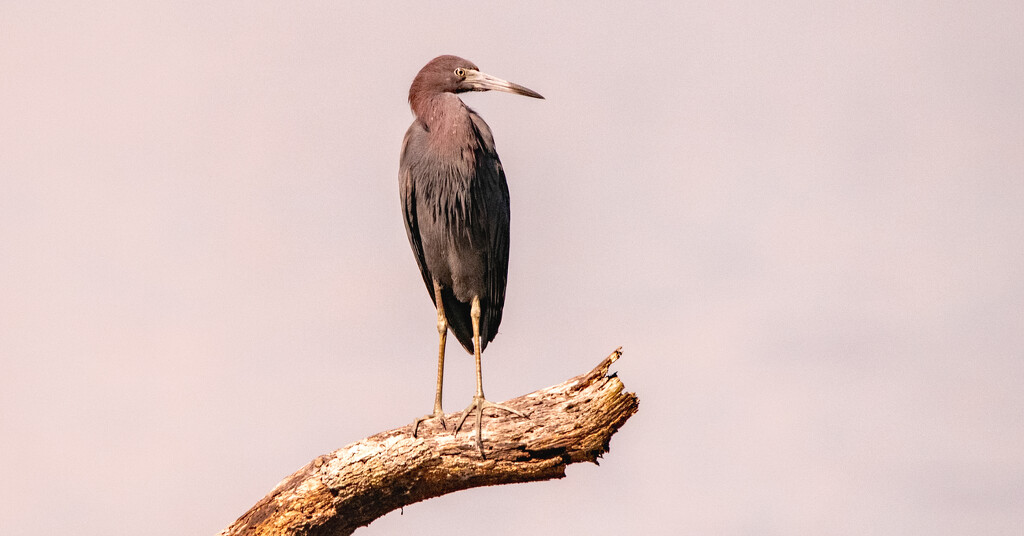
<point>407,190</point>
<point>491,177</point>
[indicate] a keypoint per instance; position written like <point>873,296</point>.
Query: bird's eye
<point>460,72</point>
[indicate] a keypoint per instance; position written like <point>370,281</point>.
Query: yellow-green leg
<point>442,333</point>
<point>479,402</point>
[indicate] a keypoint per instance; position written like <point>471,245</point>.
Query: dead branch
<point>339,492</point>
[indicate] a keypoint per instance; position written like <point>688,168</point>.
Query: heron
<point>456,207</point>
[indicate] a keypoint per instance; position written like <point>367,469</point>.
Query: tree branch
<point>339,492</point>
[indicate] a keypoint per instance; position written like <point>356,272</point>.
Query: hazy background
<point>804,223</point>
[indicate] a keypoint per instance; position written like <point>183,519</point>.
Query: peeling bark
<point>339,492</point>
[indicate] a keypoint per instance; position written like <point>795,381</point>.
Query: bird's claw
<point>437,414</point>
<point>479,403</point>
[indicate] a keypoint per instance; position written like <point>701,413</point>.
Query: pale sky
<point>804,223</point>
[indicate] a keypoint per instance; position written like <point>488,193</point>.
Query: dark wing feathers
<point>488,221</point>
<point>491,178</point>
<point>407,189</point>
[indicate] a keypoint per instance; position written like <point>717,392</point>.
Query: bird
<point>455,202</point>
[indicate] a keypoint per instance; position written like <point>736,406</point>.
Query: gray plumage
<point>455,199</point>
<point>455,203</point>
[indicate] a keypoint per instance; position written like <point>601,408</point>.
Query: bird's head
<point>452,74</point>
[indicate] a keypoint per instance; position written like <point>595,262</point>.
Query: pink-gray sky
<point>804,222</point>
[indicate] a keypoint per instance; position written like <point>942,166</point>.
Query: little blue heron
<point>455,202</point>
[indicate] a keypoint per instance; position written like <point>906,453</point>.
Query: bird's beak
<point>478,81</point>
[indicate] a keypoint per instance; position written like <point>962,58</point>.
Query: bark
<point>339,492</point>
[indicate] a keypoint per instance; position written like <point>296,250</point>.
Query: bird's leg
<point>479,402</point>
<point>442,333</point>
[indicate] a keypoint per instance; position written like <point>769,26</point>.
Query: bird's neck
<point>444,114</point>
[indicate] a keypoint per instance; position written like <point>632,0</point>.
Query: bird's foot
<point>478,404</point>
<point>437,414</point>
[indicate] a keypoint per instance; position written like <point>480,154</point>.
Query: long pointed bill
<point>478,81</point>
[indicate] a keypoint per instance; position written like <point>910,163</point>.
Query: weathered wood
<point>339,492</point>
